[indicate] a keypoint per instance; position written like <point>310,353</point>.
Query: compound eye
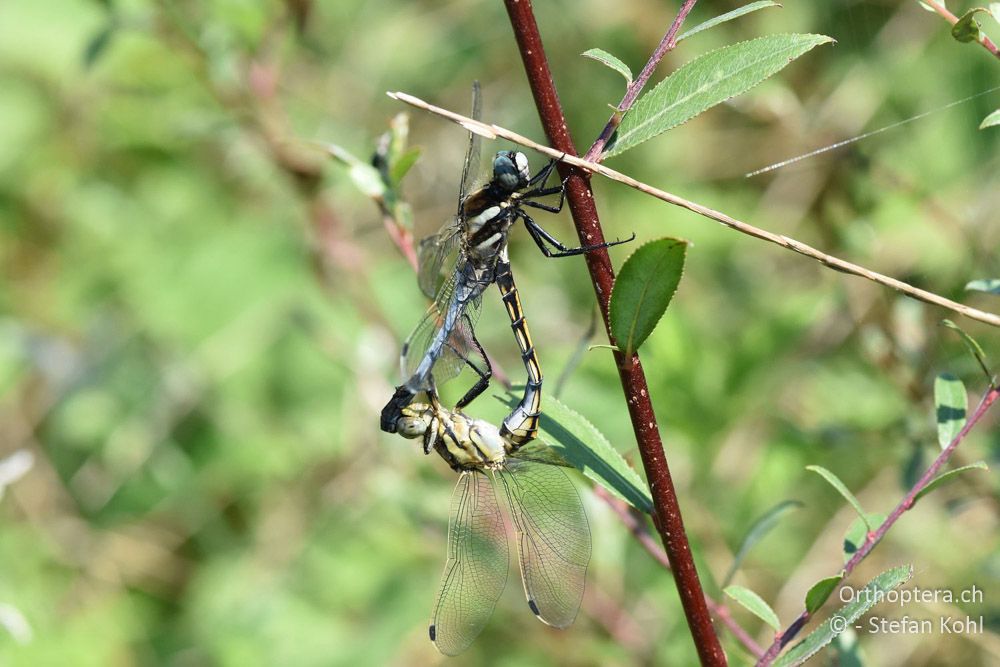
<point>414,422</point>
<point>505,171</point>
<point>411,427</point>
<point>523,172</point>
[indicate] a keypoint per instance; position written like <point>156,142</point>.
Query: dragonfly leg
<point>431,435</point>
<point>561,190</point>
<point>541,237</point>
<point>543,173</point>
<point>484,375</point>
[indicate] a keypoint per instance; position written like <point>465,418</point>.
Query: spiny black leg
<point>542,192</point>
<point>431,434</point>
<point>561,189</point>
<point>542,175</point>
<point>544,207</point>
<point>533,233</point>
<point>484,376</point>
<point>541,237</point>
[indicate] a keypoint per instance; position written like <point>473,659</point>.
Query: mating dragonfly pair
<point>456,266</point>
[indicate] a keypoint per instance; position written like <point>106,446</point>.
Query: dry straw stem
<point>495,132</point>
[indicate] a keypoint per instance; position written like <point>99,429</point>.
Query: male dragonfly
<point>553,534</point>
<point>459,263</point>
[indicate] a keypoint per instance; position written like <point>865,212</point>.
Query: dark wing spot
<point>534,608</point>
<point>432,632</point>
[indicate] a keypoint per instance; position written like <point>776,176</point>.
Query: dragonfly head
<point>416,418</point>
<point>510,170</point>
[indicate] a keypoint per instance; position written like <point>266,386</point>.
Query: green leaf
<point>820,592</point>
<point>755,604</point>
<point>98,44</point>
<point>706,81</point>
<point>967,28</point>
<point>575,440</point>
<point>948,477</point>
<point>857,533</point>
<point>845,617</point>
<point>728,16</point>
<point>611,61</point>
<point>402,164</point>
<point>536,450</point>
<point>643,290</point>
<point>366,177</point>
<point>758,530</point>
<point>991,120</point>
<point>397,137</point>
<point>847,649</point>
<point>951,405</point>
<point>974,349</point>
<point>842,489</point>
<point>993,285</point>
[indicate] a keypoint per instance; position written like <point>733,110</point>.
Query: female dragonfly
<point>553,535</point>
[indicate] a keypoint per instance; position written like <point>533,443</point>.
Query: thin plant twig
<point>875,536</point>
<point>667,44</point>
<point>985,41</point>
<point>580,198</point>
<point>787,242</point>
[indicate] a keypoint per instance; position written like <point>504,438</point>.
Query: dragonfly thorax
<point>464,442</point>
<point>510,170</point>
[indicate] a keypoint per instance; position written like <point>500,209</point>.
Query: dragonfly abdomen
<point>521,425</point>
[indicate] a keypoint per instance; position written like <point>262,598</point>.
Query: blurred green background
<point>200,318</point>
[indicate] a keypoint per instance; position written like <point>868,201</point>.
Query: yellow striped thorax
<point>464,442</point>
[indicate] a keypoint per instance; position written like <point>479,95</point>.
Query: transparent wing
<point>458,348</point>
<point>446,276</point>
<point>476,570</point>
<point>471,166</point>
<point>553,539</point>
<point>437,256</point>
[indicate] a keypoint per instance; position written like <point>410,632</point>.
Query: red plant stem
<point>581,204</point>
<point>985,41</point>
<point>641,534</point>
<point>668,43</point>
<point>874,537</point>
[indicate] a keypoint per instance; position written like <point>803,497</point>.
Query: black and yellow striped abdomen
<point>521,425</point>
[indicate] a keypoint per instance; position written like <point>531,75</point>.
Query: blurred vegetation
<point>200,318</point>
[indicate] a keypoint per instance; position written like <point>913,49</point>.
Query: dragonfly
<point>459,263</point>
<point>553,534</point>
